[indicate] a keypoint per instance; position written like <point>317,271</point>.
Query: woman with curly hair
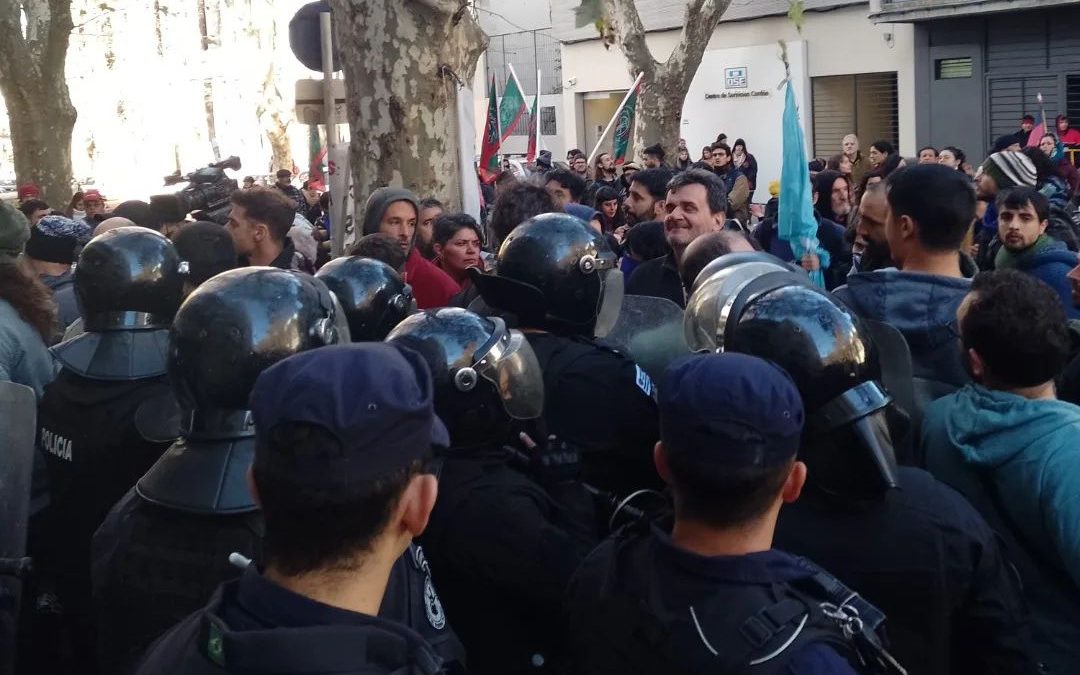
<point>27,312</point>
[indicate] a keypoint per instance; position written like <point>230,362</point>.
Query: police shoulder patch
<point>643,381</point>
<point>215,643</point>
<point>435,615</point>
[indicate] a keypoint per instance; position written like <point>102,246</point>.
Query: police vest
<point>93,435</point>
<point>153,566</point>
<point>751,628</point>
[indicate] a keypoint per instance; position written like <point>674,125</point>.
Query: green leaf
<point>588,12</point>
<point>796,12</point>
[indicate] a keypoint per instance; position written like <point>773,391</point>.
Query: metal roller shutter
<point>1013,97</point>
<point>865,104</point>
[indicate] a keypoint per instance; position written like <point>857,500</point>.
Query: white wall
<point>838,42</point>
<point>712,107</point>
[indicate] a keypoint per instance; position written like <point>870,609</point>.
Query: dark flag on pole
<point>624,128</point>
<point>489,159</point>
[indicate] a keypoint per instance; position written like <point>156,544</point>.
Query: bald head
<point>707,248</point>
<point>112,224</point>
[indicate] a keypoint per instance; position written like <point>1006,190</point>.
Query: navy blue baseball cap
<point>734,409</point>
<point>376,399</point>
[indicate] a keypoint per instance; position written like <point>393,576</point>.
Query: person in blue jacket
<point>1023,216</point>
<point>343,438</point>
<point>1011,447</point>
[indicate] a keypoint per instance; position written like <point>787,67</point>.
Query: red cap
<point>93,194</point>
<point>29,190</point>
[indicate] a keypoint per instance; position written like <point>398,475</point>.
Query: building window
<point>1072,100</point>
<point>865,105</point>
<point>547,121</point>
<point>951,69</point>
<point>527,52</point>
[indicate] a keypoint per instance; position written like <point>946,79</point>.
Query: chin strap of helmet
<point>853,404</point>
<point>855,409</point>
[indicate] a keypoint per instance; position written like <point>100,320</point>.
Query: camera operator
<point>285,186</point>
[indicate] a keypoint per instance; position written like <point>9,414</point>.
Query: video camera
<point>206,197</point>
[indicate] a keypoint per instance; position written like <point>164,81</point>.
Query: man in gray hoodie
<point>395,212</point>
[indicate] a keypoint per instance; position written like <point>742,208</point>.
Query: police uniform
<point>503,539</point>
<point>154,566</point>
<point>640,604</point>
<point>908,543</point>
<point>646,603</point>
<point>559,279</point>
<point>930,562</point>
<point>603,402</point>
<point>254,625</point>
<point>165,546</point>
<point>503,552</point>
<point>110,413</point>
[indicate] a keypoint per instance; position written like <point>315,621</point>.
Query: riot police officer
<point>559,280</point>
<point>166,545</point>
<point>908,543</point>
<point>502,539</point>
<point>373,295</point>
<point>343,441</point>
<point>110,413</point>
<point>706,593</point>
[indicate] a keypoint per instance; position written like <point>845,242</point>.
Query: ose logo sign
<point>735,78</point>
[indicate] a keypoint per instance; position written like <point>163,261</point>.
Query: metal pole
<point>337,219</point>
<point>614,118</point>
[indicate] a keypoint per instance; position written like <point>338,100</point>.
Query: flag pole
<point>615,117</point>
<point>516,80</point>
<point>537,120</point>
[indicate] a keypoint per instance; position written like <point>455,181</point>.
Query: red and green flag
<point>512,107</point>
<point>317,158</point>
<point>489,151</point>
<point>534,129</point>
<point>624,128</point>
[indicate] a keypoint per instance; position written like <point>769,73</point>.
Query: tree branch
<point>630,35</point>
<point>56,46</point>
<point>448,7</point>
<point>702,17</point>
<point>13,48</point>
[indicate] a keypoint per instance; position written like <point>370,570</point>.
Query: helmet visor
<point>340,322</point>
<point>611,298</point>
<point>708,309</point>
<point>512,367</point>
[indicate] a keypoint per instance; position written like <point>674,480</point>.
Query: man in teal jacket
<point>1013,449</point>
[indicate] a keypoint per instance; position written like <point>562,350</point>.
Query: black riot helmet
<point>485,374</point>
<point>128,278</point>
<point>227,332</point>
<point>373,295</point>
<point>780,316</point>
<point>556,273</point>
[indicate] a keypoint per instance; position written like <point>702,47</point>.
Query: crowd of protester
<point>974,266</point>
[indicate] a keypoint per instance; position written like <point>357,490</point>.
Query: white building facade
<point>850,76</point>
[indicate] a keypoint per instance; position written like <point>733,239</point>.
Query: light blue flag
<point>797,225</point>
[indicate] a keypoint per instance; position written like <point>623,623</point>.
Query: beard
<point>876,256</point>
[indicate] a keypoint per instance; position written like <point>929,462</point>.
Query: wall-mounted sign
<point>735,78</point>
<point>757,93</point>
